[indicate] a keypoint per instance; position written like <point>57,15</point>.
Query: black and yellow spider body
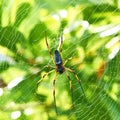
<point>59,67</point>
<point>59,63</point>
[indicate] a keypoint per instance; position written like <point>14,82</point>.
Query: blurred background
<point>91,34</point>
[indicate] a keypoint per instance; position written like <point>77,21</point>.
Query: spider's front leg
<point>60,42</point>
<point>49,48</point>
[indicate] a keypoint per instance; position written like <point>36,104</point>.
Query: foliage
<point>91,38</point>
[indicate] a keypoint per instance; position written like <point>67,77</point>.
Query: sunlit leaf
<point>22,12</point>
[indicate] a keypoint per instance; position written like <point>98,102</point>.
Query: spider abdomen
<point>58,61</point>
<point>57,58</point>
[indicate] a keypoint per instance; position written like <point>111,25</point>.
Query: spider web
<point>92,45</point>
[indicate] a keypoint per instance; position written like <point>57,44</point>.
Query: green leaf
<point>113,68</point>
<point>9,36</point>
<point>25,90</point>
<point>37,33</point>
<point>57,4</point>
<point>22,12</point>
<point>4,66</point>
<point>112,106</point>
<point>97,13</point>
<point>0,14</point>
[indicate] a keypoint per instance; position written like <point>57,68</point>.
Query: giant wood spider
<point>59,67</point>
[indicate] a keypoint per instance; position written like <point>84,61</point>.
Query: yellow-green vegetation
<point>91,33</point>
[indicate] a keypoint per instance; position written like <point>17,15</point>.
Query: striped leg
<point>77,79</point>
<point>54,93</point>
<point>71,89</point>
<point>46,74</point>
<point>49,48</point>
<point>67,60</point>
<point>60,42</point>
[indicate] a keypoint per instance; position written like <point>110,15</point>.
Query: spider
<point>59,67</point>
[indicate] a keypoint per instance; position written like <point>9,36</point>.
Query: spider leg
<point>49,48</point>
<point>54,93</point>
<point>46,74</point>
<point>67,60</point>
<point>49,66</point>
<point>71,88</point>
<point>60,42</point>
<point>70,70</point>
